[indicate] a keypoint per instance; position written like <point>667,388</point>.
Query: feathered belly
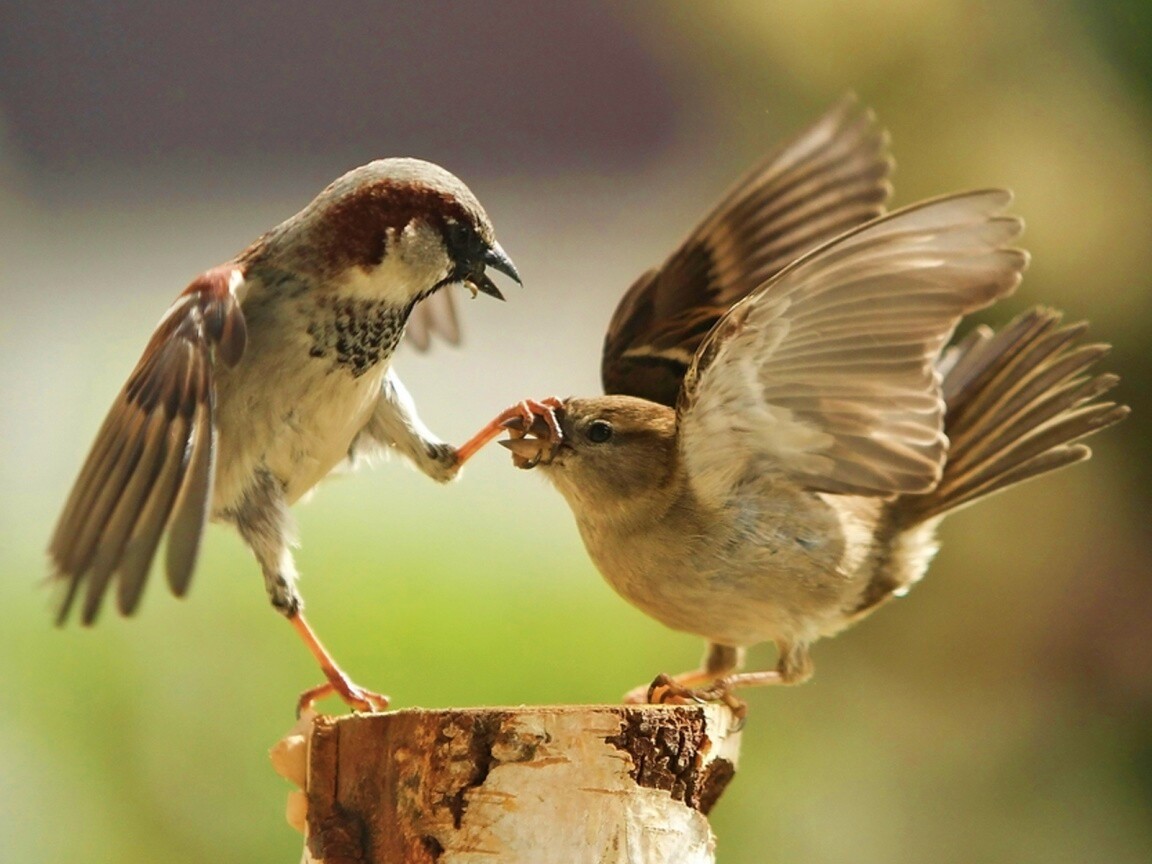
<point>296,434</point>
<point>747,579</point>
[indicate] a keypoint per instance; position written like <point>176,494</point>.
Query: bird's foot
<point>534,432</point>
<point>702,687</point>
<point>685,681</point>
<point>522,418</point>
<point>519,419</point>
<point>666,690</point>
<point>338,684</point>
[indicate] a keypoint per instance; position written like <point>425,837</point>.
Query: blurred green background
<point>1002,712</point>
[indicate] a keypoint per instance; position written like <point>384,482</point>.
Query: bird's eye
<point>599,431</point>
<point>458,237</point>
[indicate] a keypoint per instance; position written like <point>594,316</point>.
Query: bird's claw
<point>665,690</point>
<point>537,419</point>
<point>526,416</point>
<point>355,697</point>
<point>522,418</point>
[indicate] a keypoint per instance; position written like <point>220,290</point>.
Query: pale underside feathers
<point>832,177</point>
<point>151,467</point>
<point>827,372</point>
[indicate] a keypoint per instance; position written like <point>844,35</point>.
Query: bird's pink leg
<point>697,687</point>
<point>339,684</point>
<point>753,679</point>
<point>526,410</point>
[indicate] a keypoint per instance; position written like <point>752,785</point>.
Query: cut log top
<point>527,785</point>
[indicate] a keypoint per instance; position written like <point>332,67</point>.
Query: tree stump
<point>527,785</point>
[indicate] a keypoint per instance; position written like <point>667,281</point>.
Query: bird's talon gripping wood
<point>660,690</point>
<point>666,690</point>
<point>354,696</point>
<point>339,684</point>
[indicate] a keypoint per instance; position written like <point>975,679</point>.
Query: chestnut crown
<point>401,227</point>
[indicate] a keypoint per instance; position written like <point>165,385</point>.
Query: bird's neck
<point>353,332</point>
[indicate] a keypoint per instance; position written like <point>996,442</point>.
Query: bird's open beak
<point>530,446</point>
<point>527,452</point>
<point>498,260</point>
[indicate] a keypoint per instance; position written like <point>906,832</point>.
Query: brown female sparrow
<point>267,373</point>
<point>779,442</point>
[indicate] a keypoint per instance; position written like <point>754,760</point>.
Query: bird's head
<point>609,450</point>
<point>395,230</point>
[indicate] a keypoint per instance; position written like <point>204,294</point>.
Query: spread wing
<point>832,177</point>
<point>151,467</point>
<point>434,315</point>
<point>828,373</point>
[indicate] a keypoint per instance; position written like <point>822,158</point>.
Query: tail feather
<point>1018,403</point>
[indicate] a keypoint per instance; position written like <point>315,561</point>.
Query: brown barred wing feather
<point>830,178</point>
<point>150,469</point>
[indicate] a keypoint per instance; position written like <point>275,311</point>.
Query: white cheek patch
<point>414,262</point>
<point>237,286</point>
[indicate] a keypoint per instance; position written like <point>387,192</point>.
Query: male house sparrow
<point>779,442</point>
<point>264,375</point>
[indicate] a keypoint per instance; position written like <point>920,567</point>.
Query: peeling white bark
<point>530,785</point>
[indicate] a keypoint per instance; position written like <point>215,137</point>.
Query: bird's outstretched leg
<point>526,412</point>
<point>264,523</point>
<point>395,424</point>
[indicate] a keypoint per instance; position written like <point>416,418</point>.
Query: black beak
<point>495,258</point>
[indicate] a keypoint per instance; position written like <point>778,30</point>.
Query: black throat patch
<point>355,334</point>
